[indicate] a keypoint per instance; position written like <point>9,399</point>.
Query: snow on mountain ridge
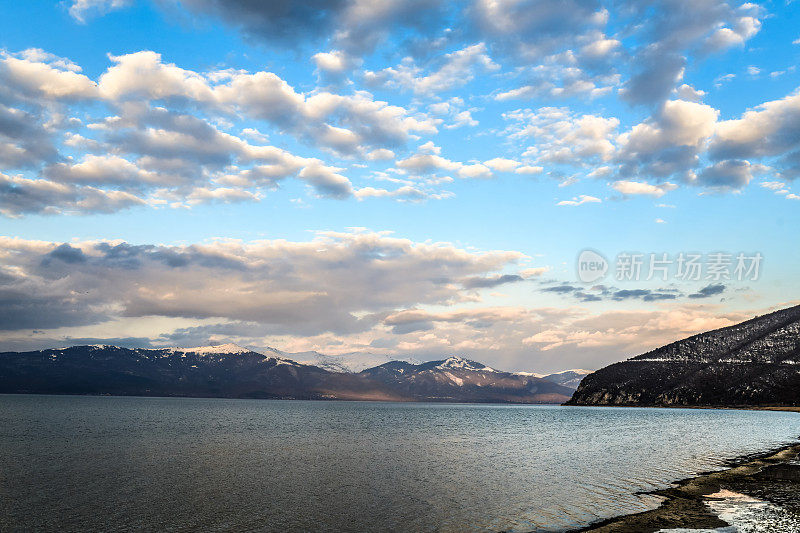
<point>531,374</point>
<point>575,370</point>
<point>351,363</point>
<point>459,363</point>
<point>228,348</point>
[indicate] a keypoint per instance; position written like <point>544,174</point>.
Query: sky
<point>535,185</point>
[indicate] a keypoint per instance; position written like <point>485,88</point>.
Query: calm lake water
<point>110,463</point>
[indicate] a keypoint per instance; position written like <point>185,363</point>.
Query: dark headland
<point>751,365</point>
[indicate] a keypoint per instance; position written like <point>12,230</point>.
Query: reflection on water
<point>77,463</point>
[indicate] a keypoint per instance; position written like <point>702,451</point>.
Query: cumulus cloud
<point>502,164</point>
<point>731,174</point>
<point>741,31</point>
<point>561,136</point>
<point>769,130</point>
<point>689,93</point>
<point>427,160</point>
<point>81,10</point>
<point>640,188</point>
<point>22,196</point>
<point>587,73</point>
<point>669,142</point>
<point>406,192</point>
<point>453,70</point>
<point>163,138</point>
<point>24,141</point>
<point>493,281</point>
<point>632,332</point>
<point>288,287</point>
<point>562,50</point>
<point>670,30</point>
<point>580,200</point>
<point>534,28</point>
<point>356,26</point>
<point>421,301</point>
<point>34,73</point>
<point>709,291</point>
<point>334,62</point>
<point>345,123</point>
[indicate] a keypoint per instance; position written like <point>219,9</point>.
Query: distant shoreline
<point>787,408</point>
<point>790,408</point>
<point>684,504</point>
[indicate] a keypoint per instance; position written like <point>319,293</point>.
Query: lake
<point>72,463</point>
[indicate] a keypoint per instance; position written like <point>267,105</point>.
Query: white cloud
<point>427,160</point>
<point>81,10</point>
<point>21,196</point>
<point>334,61</point>
<point>773,185</point>
<point>345,123</point>
<point>37,74</point>
<point>502,164</point>
<point>769,130</point>
<point>639,188</point>
<point>580,200</point>
<point>406,192</point>
<point>669,142</point>
<point>287,287</point>
<point>380,154</point>
<point>455,69</point>
<point>529,169</point>
<point>689,93</point>
<point>560,77</point>
<point>563,137</point>
<point>743,29</point>
<point>730,174</point>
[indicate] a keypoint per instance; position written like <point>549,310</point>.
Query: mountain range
<point>231,371</point>
<point>754,363</point>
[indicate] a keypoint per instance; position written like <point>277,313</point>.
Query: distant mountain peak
<point>353,363</point>
<point>228,348</point>
<point>233,371</point>
<point>459,363</point>
<point>531,374</point>
<point>579,371</point>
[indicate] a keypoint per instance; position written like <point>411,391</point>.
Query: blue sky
<point>183,173</point>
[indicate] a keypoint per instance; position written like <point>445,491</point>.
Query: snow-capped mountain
<point>458,379</point>
<point>349,362</point>
<point>457,363</point>
<point>232,371</point>
<point>229,348</point>
<point>568,378</point>
<point>754,363</point>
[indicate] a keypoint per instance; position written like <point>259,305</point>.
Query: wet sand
<point>759,491</point>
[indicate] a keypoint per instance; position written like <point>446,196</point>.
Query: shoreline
<point>790,408</point>
<point>787,408</point>
<point>768,476</point>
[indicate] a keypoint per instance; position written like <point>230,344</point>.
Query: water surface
<point>113,463</point>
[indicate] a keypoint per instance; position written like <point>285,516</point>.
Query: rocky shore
<point>759,493</point>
